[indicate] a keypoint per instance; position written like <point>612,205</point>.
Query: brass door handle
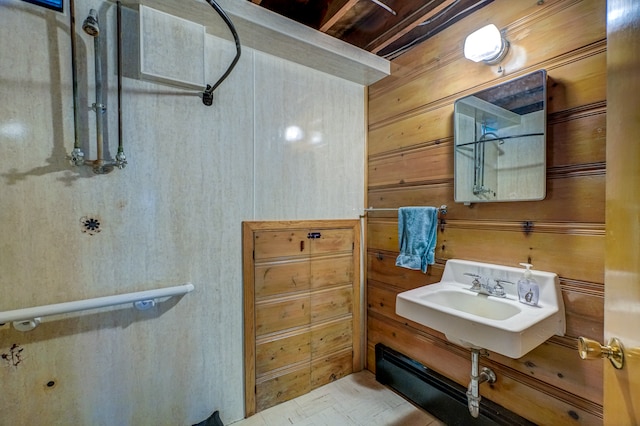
<point>614,351</point>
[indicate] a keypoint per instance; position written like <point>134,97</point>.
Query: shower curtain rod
<point>28,318</point>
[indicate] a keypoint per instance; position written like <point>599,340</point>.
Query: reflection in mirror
<point>500,142</point>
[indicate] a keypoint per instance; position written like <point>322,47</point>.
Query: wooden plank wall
<point>410,162</point>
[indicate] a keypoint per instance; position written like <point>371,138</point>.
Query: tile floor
<point>355,400</point>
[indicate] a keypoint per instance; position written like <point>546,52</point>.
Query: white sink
<point>502,325</point>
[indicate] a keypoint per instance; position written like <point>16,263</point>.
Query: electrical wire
<point>430,20</point>
<point>207,95</point>
<point>402,49</point>
<point>384,6</point>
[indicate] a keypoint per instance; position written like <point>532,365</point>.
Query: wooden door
<point>622,263</point>
<point>302,322</point>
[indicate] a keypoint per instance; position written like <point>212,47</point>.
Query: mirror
<point>500,141</point>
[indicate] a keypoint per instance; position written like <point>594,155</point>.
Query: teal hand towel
<point>417,233</point>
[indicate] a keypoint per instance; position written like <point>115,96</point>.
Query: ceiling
<point>387,28</point>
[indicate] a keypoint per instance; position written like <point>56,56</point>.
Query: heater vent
<point>438,395</point>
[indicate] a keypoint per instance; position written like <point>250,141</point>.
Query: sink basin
<point>473,304</point>
<point>473,320</point>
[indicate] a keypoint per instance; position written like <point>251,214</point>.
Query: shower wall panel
<point>309,146</point>
<point>172,215</point>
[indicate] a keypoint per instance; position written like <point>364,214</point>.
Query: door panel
<point>279,277</point>
<point>332,240</point>
<point>328,338</point>
<point>282,314</point>
<point>327,304</point>
<point>283,387</point>
<point>329,271</point>
<point>274,353</point>
<point>269,244</point>
<point>302,303</point>
<point>622,264</point>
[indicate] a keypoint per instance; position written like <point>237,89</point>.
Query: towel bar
<point>442,209</point>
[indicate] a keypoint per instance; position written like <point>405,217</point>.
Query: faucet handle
<point>498,289</point>
<point>475,284</point>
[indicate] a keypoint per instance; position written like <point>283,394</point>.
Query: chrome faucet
<point>498,289</point>
<point>480,287</point>
<point>476,285</point>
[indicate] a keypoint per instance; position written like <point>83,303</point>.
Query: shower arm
<point>207,94</point>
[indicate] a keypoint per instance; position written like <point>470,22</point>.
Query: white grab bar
<point>28,318</point>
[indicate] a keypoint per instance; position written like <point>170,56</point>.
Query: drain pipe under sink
<point>477,377</point>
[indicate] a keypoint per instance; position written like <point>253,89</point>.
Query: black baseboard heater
<point>441,397</point>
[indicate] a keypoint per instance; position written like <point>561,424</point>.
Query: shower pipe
<point>90,26</point>
<point>77,156</point>
<point>478,168</point>
<point>28,318</point>
<point>121,159</point>
<point>100,165</point>
<point>479,161</point>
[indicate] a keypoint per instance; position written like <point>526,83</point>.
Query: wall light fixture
<point>486,45</point>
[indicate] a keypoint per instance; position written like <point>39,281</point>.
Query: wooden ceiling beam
<point>336,10</point>
<point>405,26</point>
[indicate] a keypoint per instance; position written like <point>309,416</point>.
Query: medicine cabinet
<point>500,142</point>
